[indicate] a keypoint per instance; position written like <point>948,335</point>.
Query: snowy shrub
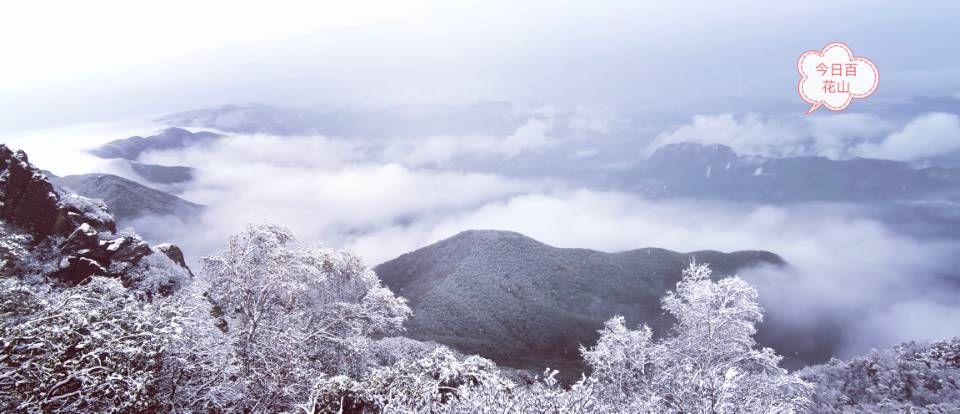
<point>200,371</point>
<point>909,378</point>
<point>543,396</point>
<point>709,364</point>
<point>426,384</point>
<point>621,359</point>
<point>156,275</point>
<point>23,256</point>
<point>92,348</point>
<point>388,351</point>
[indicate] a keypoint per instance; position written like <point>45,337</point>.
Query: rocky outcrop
<point>28,200</point>
<point>175,254</point>
<point>77,233</point>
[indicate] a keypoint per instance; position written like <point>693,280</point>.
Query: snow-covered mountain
<point>128,199</point>
<point>128,150</point>
<point>530,305</point>
<point>170,138</point>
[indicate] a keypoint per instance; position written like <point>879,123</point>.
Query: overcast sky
<point>69,62</point>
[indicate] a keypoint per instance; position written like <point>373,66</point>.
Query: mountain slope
<point>527,304</point>
<point>128,199</point>
<point>162,174</point>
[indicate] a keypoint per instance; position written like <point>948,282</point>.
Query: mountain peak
<point>512,298</point>
<point>173,131</point>
<point>484,235</point>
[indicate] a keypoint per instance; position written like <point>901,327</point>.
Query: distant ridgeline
<point>717,172</point>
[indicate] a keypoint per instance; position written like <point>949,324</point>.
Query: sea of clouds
<point>853,282</point>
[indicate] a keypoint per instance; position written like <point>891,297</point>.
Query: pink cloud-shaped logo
<point>834,76</point>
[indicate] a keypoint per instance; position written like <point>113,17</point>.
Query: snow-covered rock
<point>63,235</point>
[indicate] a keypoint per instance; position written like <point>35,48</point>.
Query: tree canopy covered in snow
<point>271,325</point>
<point>93,348</point>
<point>708,364</point>
<point>908,378</point>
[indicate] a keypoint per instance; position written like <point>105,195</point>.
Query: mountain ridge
<point>717,171</point>
<point>169,138</point>
<point>524,303</point>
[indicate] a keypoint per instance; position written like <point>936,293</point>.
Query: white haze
<point>840,136</point>
<point>376,198</point>
<point>385,197</point>
<point>71,62</point>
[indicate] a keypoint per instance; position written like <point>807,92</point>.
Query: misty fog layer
<point>854,280</point>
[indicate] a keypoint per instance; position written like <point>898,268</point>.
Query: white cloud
<point>925,136</point>
<point>845,270</point>
<point>62,150</point>
<point>326,189</point>
<point>749,135</point>
<point>532,136</point>
<point>836,136</point>
<point>911,320</point>
<point>595,120</point>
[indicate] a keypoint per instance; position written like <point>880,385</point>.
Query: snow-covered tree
<point>432,383</point>
<point>200,370</point>
<point>544,395</point>
<point>910,377</point>
<point>156,275</point>
<point>92,348</point>
<point>709,364</point>
<point>622,358</point>
<point>291,313</point>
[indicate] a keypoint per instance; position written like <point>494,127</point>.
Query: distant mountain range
<point>716,171</point>
<point>684,170</point>
<point>529,305</point>
<point>127,199</point>
<point>130,149</point>
<point>402,121</point>
<point>162,174</point>
<point>170,138</point>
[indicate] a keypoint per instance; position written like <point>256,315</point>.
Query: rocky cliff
<point>50,233</point>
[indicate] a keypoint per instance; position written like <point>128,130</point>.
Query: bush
<point>93,348</point>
